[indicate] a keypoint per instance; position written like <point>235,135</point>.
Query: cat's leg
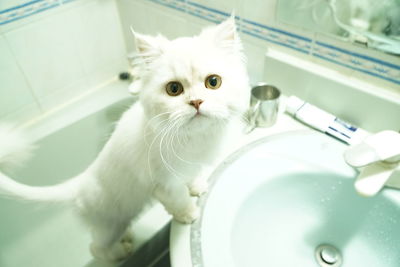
<point>199,185</point>
<point>177,201</point>
<point>111,241</point>
<point>128,236</point>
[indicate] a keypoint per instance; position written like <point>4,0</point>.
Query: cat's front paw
<point>127,237</point>
<point>198,187</point>
<point>117,252</point>
<point>188,216</point>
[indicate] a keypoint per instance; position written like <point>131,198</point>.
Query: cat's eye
<point>174,88</point>
<point>213,81</point>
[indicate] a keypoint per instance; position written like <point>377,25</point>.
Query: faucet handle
<point>379,155</point>
<point>382,146</point>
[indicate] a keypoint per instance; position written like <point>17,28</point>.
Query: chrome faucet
<point>378,157</point>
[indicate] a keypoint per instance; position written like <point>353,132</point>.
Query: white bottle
<point>324,121</point>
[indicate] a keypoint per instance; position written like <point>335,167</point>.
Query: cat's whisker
<point>166,129</point>
<point>183,134</point>
<point>149,150</point>
<point>145,133</point>
<point>165,162</point>
<point>178,133</point>
<point>184,119</point>
<point>175,135</point>
<point>172,121</point>
<point>240,114</point>
<point>170,144</point>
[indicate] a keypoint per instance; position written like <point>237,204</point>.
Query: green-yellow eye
<point>213,81</point>
<point>174,88</point>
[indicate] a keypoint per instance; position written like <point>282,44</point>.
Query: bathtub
<point>68,139</point>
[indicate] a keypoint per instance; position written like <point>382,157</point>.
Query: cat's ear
<point>149,47</point>
<point>224,34</point>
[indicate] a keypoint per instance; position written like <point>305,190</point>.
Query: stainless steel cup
<point>264,105</point>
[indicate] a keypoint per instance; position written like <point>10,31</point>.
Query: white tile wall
<point>259,11</point>
<point>65,50</point>
<point>98,35</point>
<point>191,19</point>
<point>261,31</point>
<point>224,6</point>
<point>17,102</point>
<point>47,54</point>
<point>15,92</point>
<point>150,18</point>
<point>53,56</point>
<point>6,4</point>
<point>253,48</point>
<point>172,24</point>
<point>334,92</point>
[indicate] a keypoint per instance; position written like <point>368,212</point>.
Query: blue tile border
<point>19,6</point>
<point>342,57</point>
<point>378,61</point>
<point>28,9</point>
<point>327,52</point>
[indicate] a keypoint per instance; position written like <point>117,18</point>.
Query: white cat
<point>193,93</point>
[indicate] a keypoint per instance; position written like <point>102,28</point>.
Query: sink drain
<point>328,256</point>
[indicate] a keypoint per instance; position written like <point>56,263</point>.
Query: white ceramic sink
<point>275,201</point>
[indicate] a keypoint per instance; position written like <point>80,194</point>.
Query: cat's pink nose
<point>196,103</point>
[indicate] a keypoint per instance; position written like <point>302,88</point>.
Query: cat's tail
<point>14,150</point>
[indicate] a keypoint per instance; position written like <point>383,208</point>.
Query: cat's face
<point>194,82</point>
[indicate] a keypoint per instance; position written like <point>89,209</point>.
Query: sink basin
<point>276,201</point>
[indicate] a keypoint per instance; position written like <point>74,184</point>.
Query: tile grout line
<point>31,91</point>
<point>252,28</point>
<point>339,56</point>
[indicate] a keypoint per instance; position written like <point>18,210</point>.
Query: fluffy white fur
<point>161,148</point>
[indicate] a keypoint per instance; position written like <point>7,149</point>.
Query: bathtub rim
<point>93,100</point>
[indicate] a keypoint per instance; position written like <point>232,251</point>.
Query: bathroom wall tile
<point>334,92</point>
<point>286,77</point>
<point>150,18</point>
<point>327,57</point>
<point>63,95</point>
<point>194,25</point>
<point>225,7</point>
<point>259,11</point>
<point>46,53</point>
<point>357,61</point>
<point>254,49</point>
<point>30,13</point>
<point>106,72</point>
<point>134,14</point>
<point>171,23</point>
<point>261,25</point>
<point>15,93</point>
<point>6,4</point>
<point>71,51</point>
<point>278,39</point>
<point>387,87</point>
<point>98,36</point>
<point>22,114</point>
